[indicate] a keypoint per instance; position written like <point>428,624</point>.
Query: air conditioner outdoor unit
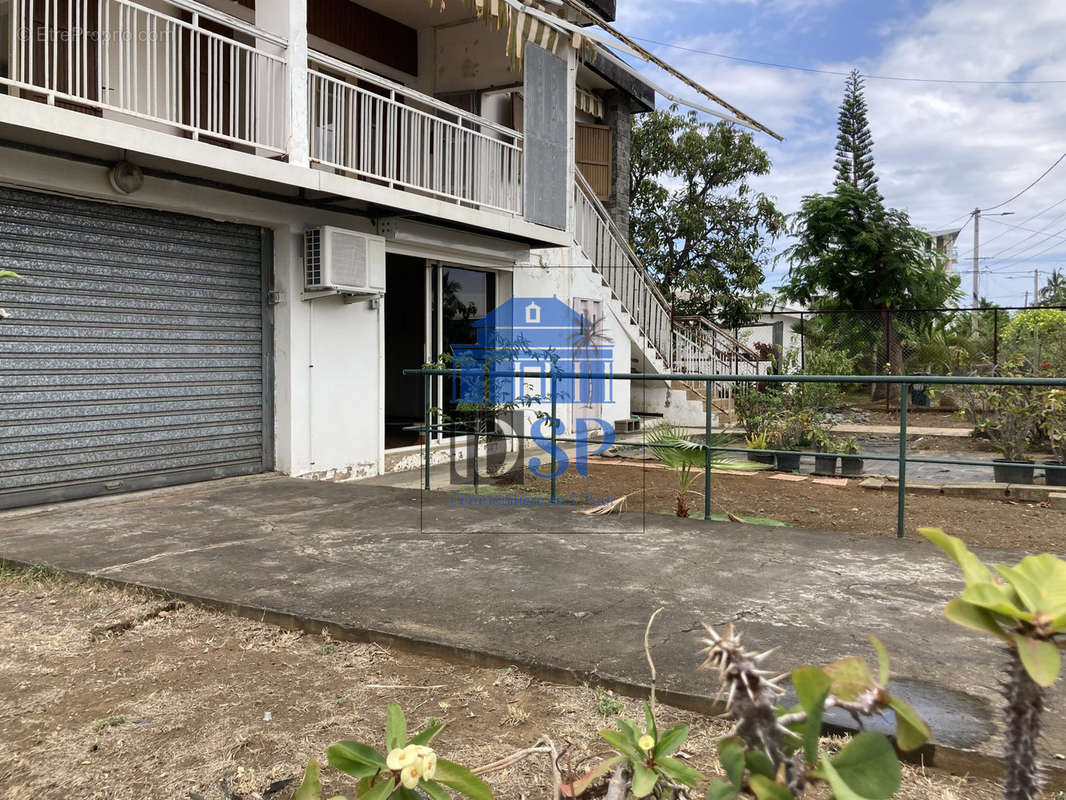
<point>344,261</point>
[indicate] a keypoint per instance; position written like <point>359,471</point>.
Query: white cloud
<point>941,149</point>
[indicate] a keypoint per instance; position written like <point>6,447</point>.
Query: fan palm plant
<point>688,459</point>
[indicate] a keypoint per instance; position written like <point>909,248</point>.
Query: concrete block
<point>994,491</point>
<point>1057,500</point>
<point>1027,493</point>
<point>873,483</point>
<point>918,487</point>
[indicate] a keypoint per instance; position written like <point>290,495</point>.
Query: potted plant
<point>759,441</point>
<point>850,460</point>
<point>825,457</point>
<point>1010,430</point>
<point>790,431</point>
<point>1055,427</point>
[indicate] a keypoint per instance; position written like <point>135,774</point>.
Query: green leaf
<point>973,617</point>
<point>812,688</point>
<point>644,780</point>
<point>731,756</point>
<point>6,273</point>
<point>720,790</point>
<point>1041,659</point>
<point>630,730</point>
<point>867,765</point>
<point>1027,591</point>
<point>973,571</point>
<point>311,786</point>
<point>1048,574</point>
<point>849,678</point>
<point>621,743</point>
<point>649,722</point>
<point>395,727</point>
<point>882,661</point>
<point>911,730</point>
<point>462,780</point>
<point>679,771</point>
<point>578,787</point>
<point>379,791</point>
<point>355,759</point>
<point>434,790</point>
<point>426,735</point>
<point>404,793</point>
<point>996,599</point>
<point>766,789</point>
<point>759,763</point>
<point>841,791</point>
<point>671,741</point>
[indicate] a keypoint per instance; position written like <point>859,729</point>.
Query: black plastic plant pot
<point>761,458</point>
<point>825,464</point>
<point>1055,477</point>
<point>788,462</point>
<point>851,466</point>
<point>1004,471</point>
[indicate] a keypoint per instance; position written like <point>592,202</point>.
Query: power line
<point>1027,188</point>
<point>999,221</point>
<point>843,74</point>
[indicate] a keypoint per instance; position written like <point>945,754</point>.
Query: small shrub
<point>607,704</point>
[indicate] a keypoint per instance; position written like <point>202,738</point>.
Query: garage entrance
<point>137,352</point>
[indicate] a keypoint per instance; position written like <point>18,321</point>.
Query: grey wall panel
<point>545,176</point>
<point>136,351</point>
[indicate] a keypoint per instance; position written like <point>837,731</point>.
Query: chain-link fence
<point>940,341</point>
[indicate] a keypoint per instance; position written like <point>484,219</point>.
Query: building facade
<point>162,163</point>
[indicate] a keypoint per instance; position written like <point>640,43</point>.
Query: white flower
<point>398,759</point>
<point>646,742</point>
<point>410,775</point>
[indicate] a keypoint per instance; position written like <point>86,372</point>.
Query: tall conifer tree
<point>855,160</point>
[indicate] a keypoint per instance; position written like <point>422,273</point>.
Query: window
<point>593,156</point>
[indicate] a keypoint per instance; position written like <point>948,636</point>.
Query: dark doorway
<point>405,347</point>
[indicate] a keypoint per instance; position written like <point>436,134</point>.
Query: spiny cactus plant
<point>777,749</point>
<point>1025,608</point>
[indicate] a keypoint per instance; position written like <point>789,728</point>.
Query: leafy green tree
<point>853,253</point>
<point>696,222</point>
<point>855,159</point>
<point>1053,293</point>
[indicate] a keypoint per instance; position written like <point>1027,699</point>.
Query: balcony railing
<point>183,67</point>
<point>374,129</point>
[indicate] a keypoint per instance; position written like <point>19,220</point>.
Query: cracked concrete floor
<point>559,593</point>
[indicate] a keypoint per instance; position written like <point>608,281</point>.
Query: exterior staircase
<point>666,344</point>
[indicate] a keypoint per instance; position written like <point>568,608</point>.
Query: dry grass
<point>113,693</point>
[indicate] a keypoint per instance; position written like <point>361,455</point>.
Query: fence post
<point>995,337</point>
<point>428,423</point>
<point>551,387</point>
<point>901,500</point>
<point>803,337</point>
<point>708,414</point>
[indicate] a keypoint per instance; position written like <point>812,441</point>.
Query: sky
<point>941,148</point>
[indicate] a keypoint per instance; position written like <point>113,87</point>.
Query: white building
<point>161,164</point>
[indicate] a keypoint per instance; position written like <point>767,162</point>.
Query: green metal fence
<point>905,382</point>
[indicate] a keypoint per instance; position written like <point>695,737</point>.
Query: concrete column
<point>618,116</point>
<point>571,137</point>
<point>288,18</point>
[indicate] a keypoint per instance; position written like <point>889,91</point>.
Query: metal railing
<point>374,129</point>
<point>182,66</point>
<point>702,347</point>
<point>709,380</point>
<point>611,256</point>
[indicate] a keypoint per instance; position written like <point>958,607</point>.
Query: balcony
<point>190,71</point>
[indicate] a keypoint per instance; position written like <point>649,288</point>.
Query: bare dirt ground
<point>114,693</point>
<point>979,522</point>
<point>927,418</point>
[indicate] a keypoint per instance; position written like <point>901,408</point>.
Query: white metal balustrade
<point>371,128</point>
<point>190,67</point>
<point>685,344</point>
<point>609,251</point>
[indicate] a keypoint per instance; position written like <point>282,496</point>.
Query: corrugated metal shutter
<point>136,354</point>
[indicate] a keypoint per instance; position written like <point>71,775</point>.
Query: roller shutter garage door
<point>136,353</point>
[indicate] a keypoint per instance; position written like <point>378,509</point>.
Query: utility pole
<point>976,266</point>
<point>1036,285</point>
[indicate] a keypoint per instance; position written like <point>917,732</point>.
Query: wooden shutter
<point>593,155</point>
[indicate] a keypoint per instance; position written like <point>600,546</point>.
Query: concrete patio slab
<point>561,594</point>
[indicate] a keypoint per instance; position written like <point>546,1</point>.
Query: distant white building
<point>777,326</point>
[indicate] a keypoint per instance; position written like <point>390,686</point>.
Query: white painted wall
<point>764,333</point>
